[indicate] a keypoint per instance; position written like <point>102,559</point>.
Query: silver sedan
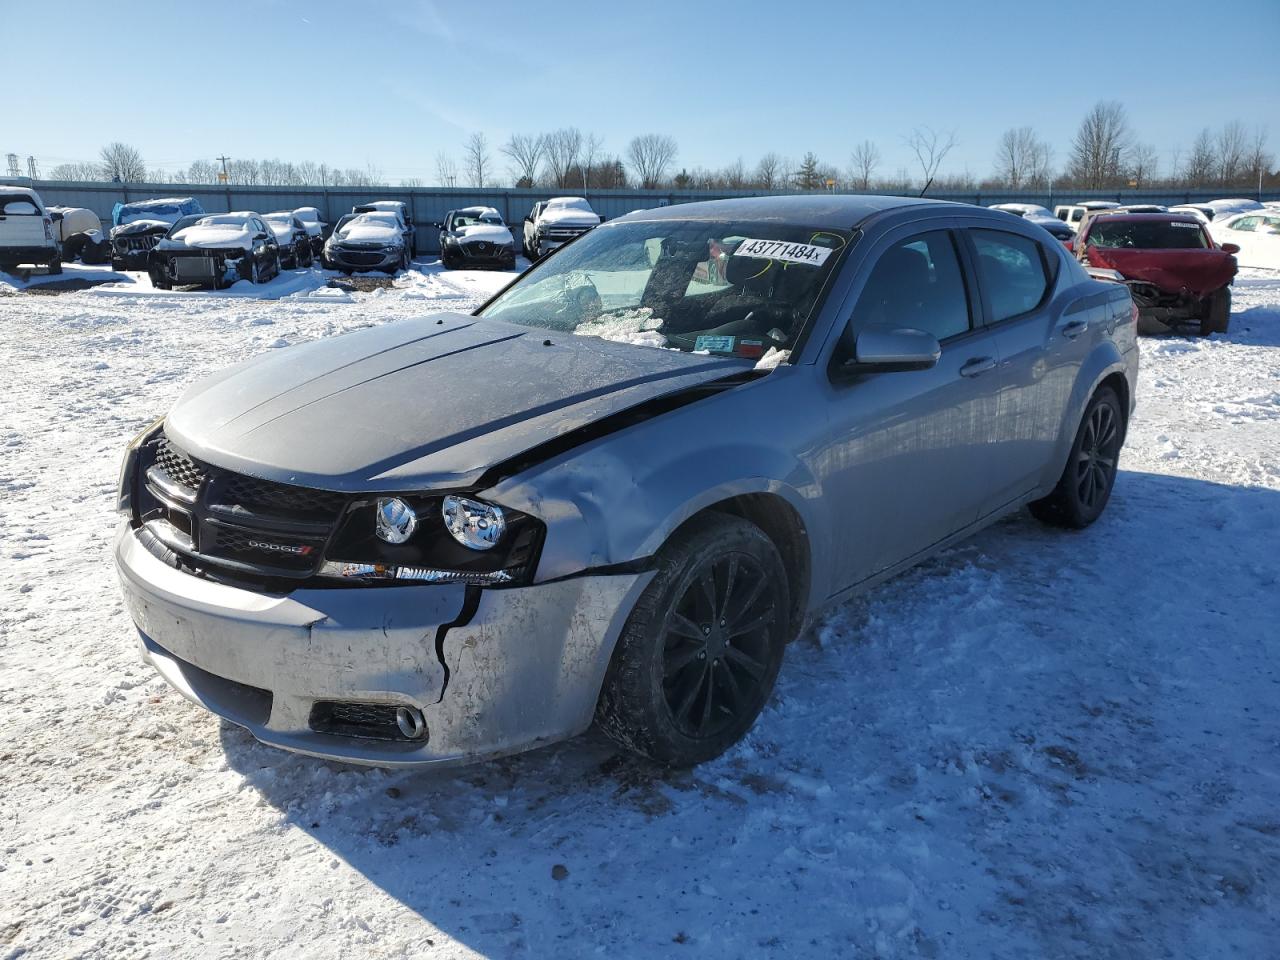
<point>616,491</point>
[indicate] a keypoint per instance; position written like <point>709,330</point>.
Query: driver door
<point>908,464</point>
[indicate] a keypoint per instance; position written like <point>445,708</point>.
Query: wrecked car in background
<point>316,228</point>
<point>138,226</point>
<point>553,223</point>
<point>367,241</point>
<point>216,250</point>
<point>292,237</point>
<point>79,231</point>
<point>1174,270</point>
<point>619,488</point>
<point>476,236</point>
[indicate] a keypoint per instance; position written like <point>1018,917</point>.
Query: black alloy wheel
<point>716,650</point>
<point>1085,487</point>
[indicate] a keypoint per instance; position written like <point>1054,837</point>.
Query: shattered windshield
<point>740,289</point>
<point>1147,235</point>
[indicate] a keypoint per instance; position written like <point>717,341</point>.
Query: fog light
<point>473,524</point>
<point>396,520</point>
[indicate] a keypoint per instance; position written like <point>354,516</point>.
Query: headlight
<point>128,466</point>
<point>395,521</point>
<point>473,524</point>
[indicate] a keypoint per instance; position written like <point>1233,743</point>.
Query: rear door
<point>21,221</point>
<point>1043,337</point>
<point>907,465</point>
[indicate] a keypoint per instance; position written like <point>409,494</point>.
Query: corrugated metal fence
<point>432,203</point>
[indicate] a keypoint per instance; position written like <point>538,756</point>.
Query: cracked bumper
<point>524,670</point>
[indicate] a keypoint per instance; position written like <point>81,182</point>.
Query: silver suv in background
<point>621,487</point>
<point>552,223</point>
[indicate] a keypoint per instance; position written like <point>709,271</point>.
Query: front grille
<point>373,721</point>
<point>218,518</point>
<point>193,268</point>
<point>178,467</point>
<point>140,243</point>
<point>358,258</point>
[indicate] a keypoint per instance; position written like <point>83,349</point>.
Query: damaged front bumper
<point>492,671</point>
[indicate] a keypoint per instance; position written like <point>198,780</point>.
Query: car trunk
<point>1197,272</point>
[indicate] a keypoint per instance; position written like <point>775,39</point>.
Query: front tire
<point>1090,474</point>
<point>55,267</point>
<point>700,652</point>
<point>1217,313</point>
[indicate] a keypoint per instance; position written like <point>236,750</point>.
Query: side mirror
<point>890,351</point>
<point>1231,248</point>
<point>260,236</point>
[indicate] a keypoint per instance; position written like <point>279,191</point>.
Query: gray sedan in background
<point>618,489</point>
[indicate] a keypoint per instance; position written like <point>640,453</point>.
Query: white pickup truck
<point>26,232</point>
<point>555,222</point>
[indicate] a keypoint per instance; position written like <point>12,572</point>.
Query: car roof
<point>836,211</point>
<point>1140,217</point>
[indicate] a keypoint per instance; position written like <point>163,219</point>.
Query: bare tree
<point>525,153</point>
<point>123,163</point>
<point>1143,163</point>
<point>1201,162</point>
<point>930,148</point>
<point>864,160</point>
<point>1101,146</point>
<point>1022,158</point>
<point>650,155</point>
<point>1232,149</point>
<point>412,182</point>
<point>475,155</point>
<point>590,150</point>
<point>1259,160</point>
<point>769,170</point>
<point>562,149</point>
<point>446,170</point>
<point>76,171</point>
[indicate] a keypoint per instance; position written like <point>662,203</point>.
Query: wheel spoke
<point>1107,463</point>
<point>689,695</point>
<point>708,583</point>
<point>753,624</point>
<point>674,663</point>
<point>740,609</point>
<point>707,699</point>
<point>682,626</point>
<point>729,683</point>
<point>753,666</point>
<point>723,612</point>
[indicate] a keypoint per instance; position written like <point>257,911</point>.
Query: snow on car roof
<point>576,203</point>
<point>377,216</point>
<point>480,212</point>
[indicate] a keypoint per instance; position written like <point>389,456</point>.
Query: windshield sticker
<point>714,344</point>
<point>781,250</point>
<point>1179,223</point>
<point>752,349</point>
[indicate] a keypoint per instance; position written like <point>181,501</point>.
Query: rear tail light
<point>1133,312</point>
<point>48,231</point>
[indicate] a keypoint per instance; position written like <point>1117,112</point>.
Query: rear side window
<point>1013,272</point>
<point>16,205</point>
<point>916,285</point>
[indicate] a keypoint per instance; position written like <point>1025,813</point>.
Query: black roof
<point>836,211</point>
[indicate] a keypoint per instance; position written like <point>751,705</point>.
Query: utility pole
<point>223,176</point>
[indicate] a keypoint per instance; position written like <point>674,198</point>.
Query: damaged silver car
<point>618,489</point>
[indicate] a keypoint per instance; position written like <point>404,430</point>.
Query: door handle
<point>1075,328</point>
<point>977,366</point>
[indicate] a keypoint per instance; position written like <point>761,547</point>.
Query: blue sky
<point>393,84</point>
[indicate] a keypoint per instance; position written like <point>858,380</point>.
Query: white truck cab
<point>26,232</point>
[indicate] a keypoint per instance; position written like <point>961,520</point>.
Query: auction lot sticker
<point>782,250</point>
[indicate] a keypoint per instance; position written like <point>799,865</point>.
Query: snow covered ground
<point>1039,745</point>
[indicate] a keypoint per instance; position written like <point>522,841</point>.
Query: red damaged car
<point>1176,273</point>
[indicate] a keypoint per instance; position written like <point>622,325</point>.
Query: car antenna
<point>926,187</point>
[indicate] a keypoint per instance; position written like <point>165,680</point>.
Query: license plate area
<point>193,268</point>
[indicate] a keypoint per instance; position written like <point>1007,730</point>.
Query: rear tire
<point>55,267</point>
<point>1090,474</point>
<point>74,246</point>
<point>698,657</point>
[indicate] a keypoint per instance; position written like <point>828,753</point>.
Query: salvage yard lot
<point>1039,744</point>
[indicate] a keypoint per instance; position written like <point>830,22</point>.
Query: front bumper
<point>343,259</point>
<point>524,665</point>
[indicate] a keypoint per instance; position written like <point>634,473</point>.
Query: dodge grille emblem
<point>297,551</point>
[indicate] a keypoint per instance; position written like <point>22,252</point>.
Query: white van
<point>26,233</point>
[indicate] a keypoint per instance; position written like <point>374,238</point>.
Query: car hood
<point>283,232</point>
<point>1197,271</point>
<point>208,237</point>
<point>420,404</point>
<point>486,231</point>
<point>141,226</point>
<point>368,233</point>
<point>568,217</point>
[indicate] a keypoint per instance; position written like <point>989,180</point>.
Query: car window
<point>1147,235</point>
<point>916,285</point>
<point>1013,272</point>
<point>725,288</point>
<point>1245,223</point>
<point>18,206</point>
